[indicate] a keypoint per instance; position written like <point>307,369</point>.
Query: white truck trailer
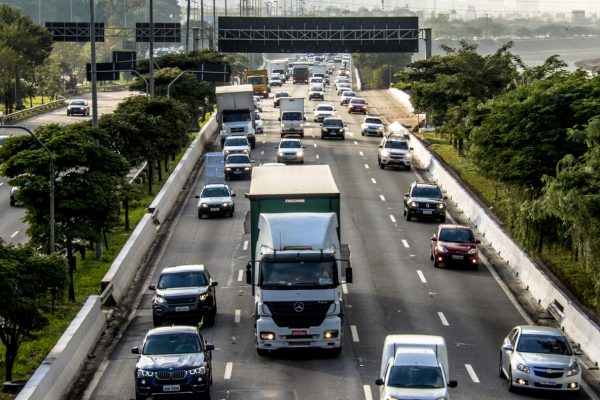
<point>291,115</point>
<point>235,112</point>
<point>414,367</point>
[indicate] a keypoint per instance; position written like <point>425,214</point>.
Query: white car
<point>236,145</point>
<point>258,122</point>
<point>343,87</point>
<point>216,199</point>
<point>340,79</point>
<point>346,96</point>
<point>539,357</point>
<point>290,150</point>
<point>394,151</point>
<point>372,126</point>
<point>275,80</point>
<point>316,91</point>
<point>323,111</point>
<point>257,103</point>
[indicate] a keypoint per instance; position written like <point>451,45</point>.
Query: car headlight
<point>198,371</point>
<point>227,151</point>
<point>204,205</point>
<point>203,296</point>
<point>472,251</point>
<point>442,398</point>
<point>440,206</point>
<point>442,249</point>
<point>413,204</point>
<point>142,373</point>
<point>227,169</point>
<point>385,153</point>
<point>280,153</point>
<point>301,124</point>
<point>325,130</point>
<point>282,125</point>
<point>573,369</point>
<point>407,155</point>
<point>300,153</point>
<point>246,168</point>
<point>226,204</point>
<point>159,299</point>
<point>523,368</point>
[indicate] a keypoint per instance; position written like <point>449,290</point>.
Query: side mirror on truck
<point>249,273</point>
<point>452,383</point>
<point>348,274</point>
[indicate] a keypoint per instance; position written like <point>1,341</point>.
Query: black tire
<point>362,133</point>
<point>140,396</point>
<point>282,135</point>
<point>382,166</point>
<point>322,137</point>
<point>436,264</point>
<point>443,219</point>
<point>511,387</point>
<point>475,267</point>
<point>500,371</point>
<point>209,319</point>
<point>343,137</point>
<point>408,217</point>
<point>302,135</point>
<point>262,352</point>
<point>156,321</point>
<point>199,215</point>
<point>431,256</point>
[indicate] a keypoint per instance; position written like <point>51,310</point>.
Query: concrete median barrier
<point>572,319</point>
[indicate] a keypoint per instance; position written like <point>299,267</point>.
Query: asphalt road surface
<point>12,229</point>
<point>395,289</point>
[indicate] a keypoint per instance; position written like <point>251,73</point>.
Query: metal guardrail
<point>22,114</point>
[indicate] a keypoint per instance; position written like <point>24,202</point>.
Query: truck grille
<point>237,130</point>
<point>181,300</point>
<point>171,375</point>
<point>286,314</point>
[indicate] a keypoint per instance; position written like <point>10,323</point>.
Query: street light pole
<point>151,52</point>
<point>93,66</point>
<point>51,167</point>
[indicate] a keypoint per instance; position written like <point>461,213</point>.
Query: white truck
<point>235,112</point>
<point>280,67</point>
<point>291,115</point>
<point>296,258</point>
<point>414,367</point>
<point>320,71</point>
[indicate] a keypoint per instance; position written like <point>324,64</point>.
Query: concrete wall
<point>575,323</point>
<point>57,371</point>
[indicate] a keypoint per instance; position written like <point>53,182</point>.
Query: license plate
<point>171,388</point>
<point>427,212</point>
<point>458,257</point>
<point>299,333</point>
<point>237,172</point>
<point>214,209</point>
<point>182,309</point>
<point>548,383</point>
<point>333,133</point>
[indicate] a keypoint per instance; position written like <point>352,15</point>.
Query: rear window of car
<point>348,94</point>
<point>282,94</point>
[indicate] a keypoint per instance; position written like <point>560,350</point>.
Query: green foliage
<point>26,278</point>
<point>377,69</point>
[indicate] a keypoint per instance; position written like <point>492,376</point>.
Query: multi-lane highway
<point>395,289</point>
<point>12,229</point>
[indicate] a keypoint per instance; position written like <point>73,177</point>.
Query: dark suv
<point>174,360</point>
<point>184,292</point>
<point>333,127</point>
<point>424,200</point>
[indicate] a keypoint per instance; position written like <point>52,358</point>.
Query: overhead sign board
<point>74,31</point>
<point>164,32</point>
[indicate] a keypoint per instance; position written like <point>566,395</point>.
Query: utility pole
<point>201,24</point>
<point>214,27</point>
<point>93,66</point>
<point>187,27</point>
<point>151,52</point>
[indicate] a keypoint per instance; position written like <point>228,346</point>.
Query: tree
<point>30,44</point>
<point>26,279</point>
<point>87,175</point>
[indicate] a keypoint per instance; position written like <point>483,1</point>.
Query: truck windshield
<point>418,377</point>
<point>236,116</point>
<point>291,116</point>
<point>256,80</point>
<point>291,275</point>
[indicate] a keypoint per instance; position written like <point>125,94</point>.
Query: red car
<point>454,245</point>
<point>357,104</point>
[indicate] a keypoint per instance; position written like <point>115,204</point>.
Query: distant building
<point>578,16</point>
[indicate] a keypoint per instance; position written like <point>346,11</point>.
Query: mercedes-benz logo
<point>427,205</point>
<point>299,307</point>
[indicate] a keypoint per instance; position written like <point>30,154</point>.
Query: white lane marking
<point>355,142</point>
<point>236,318</point>
<point>360,152</point>
<point>245,245</point>
<point>373,180</point>
<point>382,197</point>
<point>367,166</point>
<point>240,275</point>
<point>314,144</point>
<point>317,156</point>
<point>472,373</point>
<point>344,288</point>
<point>351,134</point>
<point>262,152</point>
<point>354,333</point>
<point>405,243</point>
<point>443,318</point>
<point>14,234</point>
<point>393,218</point>
<point>421,276</point>
<point>1,183</point>
<point>228,368</point>
<point>368,394</point>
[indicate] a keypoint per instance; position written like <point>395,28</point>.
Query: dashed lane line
<point>421,276</point>
<point>354,333</point>
<point>382,197</point>
<point>367,166</point>
<point>360,153</point>
<point>472,373</point>
<point>393,219</point>
<point>237,316</point>
<point>443,318</point>
<point>245,245</point>
<point>355,142</point>
<point>14,234</point>
<point>373,180</point>
<point>317,156</point>
<point>344,288</point>
<point>368,394</point>
<point>240,275</point>
<point>228,370</point>
<point>405,243</point>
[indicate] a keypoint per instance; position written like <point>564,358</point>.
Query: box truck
<point>259,79</point>
<point>296,258</point>
<point>291,115</point>
<point>235,112</point>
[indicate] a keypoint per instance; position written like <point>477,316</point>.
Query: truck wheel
<point>343,137</point>
<point>334,352</point>
<point>381,165</point>
<point>362,133</point>
<point>209,319</point>
<point>302,135</point>
<point>140,397</point>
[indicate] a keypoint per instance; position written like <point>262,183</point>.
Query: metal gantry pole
<point>187,27</point>
<point>428,39</point>
<point>93,66</point>
<point>151,51</point>
<point>201,24</point>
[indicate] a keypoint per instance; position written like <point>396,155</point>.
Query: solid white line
<point>236,318</point>
<point>405,243</point>
<point>472,373</point>
<point>14,234</point>
<point>382,197</point>
<point>367,166</point>
<point>344,288</point>
<point>368,394</point>
<point>240,275</point>
<point>373,180</point>
<point>354,333</point>
<point>443,318</point>
<point>393,218</point>
<point>421,276</point>
<point>245,245</point>
<point>228,368</point>
<point>360,152</point>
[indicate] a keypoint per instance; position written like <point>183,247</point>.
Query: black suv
<point>424,200</point>
<point>174,360</point>
<point>333,127</point>
<point>184,292</point>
